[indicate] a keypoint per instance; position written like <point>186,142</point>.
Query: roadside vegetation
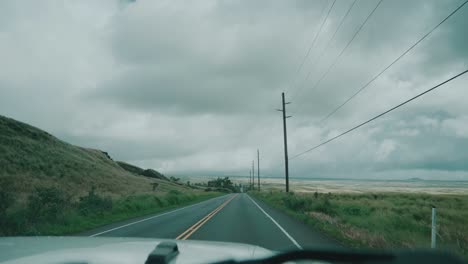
<point>223,185</point>
<point>380,220</point>
<point>51,211</point>
<point>218,185</point>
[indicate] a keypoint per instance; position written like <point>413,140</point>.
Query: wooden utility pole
<point>258,168</point>
<point>286,159</point>
<point>250,179</point>
<point>434,228</point>
<point>253,175</point>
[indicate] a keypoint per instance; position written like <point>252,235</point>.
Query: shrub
<point>172,199</point>
<point>295,203</point>
<point>174,179</point>
<point>47,204</point>
<point>6,197</point>
<point>94,204</point>
<point>158,201</point>
<point>223,183</point>
<point>355,210</point>
<point>13,223</point>
<point>174,192</point>
<point>325,206</point>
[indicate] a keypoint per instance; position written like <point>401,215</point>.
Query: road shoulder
<point>305,235</point>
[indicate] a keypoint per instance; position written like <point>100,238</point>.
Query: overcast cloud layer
<point>191,87</point>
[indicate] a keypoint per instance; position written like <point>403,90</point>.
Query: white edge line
<point>152,217</point>
<point>276,223</point>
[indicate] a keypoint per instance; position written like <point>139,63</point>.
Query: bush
<point>325,206</point>
<point>158,201</point>
<point>223,185</point>
<point>7,198</point>
<point>174,179</point>
<point>94,204</point>
<point>47,204</point>
<point>172,199</point>
<point>174,192</point>
<point>16,221</point>
<point>355,210</point>
<point>294,202</point>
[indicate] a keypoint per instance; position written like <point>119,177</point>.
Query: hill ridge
<point>31,157</point>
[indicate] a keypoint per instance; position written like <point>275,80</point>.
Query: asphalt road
<point>230,218</point>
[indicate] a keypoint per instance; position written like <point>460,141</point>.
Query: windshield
<point>286,125</point>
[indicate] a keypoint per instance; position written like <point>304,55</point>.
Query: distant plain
<point>357,186</point>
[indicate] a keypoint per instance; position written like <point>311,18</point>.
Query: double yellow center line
<point>187,233</point>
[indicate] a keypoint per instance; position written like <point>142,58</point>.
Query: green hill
<point>139,171</point>
<point>30,157</point>
<point>50,187</point>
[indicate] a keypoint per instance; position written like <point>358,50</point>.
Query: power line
<point>391,64</point>
<point>307,54</point>
<point>347,45</point>
<point>328,43</point>
<point>341,23</point>
<point>313,42</point>
<point>315,37</point>
<point>301,62</point>
<point>380,115</point>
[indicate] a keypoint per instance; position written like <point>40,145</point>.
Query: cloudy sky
<point>191,87</point>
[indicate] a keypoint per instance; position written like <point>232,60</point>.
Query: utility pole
<point>250,179</point>
<point>253,175</point>
<point>434,228</point>
<point>258,168</point>
<point>286,159</point>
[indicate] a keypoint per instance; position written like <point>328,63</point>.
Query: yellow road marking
<point>187,233</point>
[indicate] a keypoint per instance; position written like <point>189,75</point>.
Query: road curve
<point>230,218</point>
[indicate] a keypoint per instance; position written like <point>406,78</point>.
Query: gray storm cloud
<point>192,87</point>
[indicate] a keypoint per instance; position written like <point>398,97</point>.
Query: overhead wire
<point>347,45</point>
<point>316,37</point>
<point>327,45</point>
<point>317,33</point>
<point>391,64</point>
<point>302,62</point>
<point>379,115</point>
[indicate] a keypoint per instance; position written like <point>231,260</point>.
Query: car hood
<point>117,250</point>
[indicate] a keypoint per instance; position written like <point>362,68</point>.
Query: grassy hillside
<point>30,158</point>
<point>50,187</point>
